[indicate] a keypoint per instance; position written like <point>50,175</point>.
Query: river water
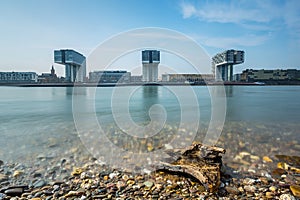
<point>40,120</point>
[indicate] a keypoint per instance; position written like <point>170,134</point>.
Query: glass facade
<point>150,56</point>
<point>75,64</point>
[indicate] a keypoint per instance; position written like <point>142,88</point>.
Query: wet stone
<point>2,196</point>
<point>232,190</point>
<point>14,192</point>
<point>3,177</point>
<point>148,184</point>
<point>39,183</point>
<point>250,188</point>
<point>287,197</point>
<point>295,190</point>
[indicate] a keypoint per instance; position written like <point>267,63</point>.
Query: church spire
<point>52,71</point>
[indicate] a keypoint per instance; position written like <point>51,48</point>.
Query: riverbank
<point>251,171</point>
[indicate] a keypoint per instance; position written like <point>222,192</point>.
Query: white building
<point>18,77</point>
<point>150,61</point>
<point>110,76</point>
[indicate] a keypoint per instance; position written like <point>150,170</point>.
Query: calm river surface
<point>40,120</point>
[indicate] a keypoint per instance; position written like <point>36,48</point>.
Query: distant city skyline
<point>268,31</point>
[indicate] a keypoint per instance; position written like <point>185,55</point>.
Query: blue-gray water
<point>33,120</point>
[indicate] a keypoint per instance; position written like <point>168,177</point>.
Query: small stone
<point>3,177</point>
<point>287,197</point>
<point>267,159</point>
<point>130,182</point>
<point>2,196</point>
<point>71,194</point>
<point>278,172</point>
<point>168,147</point>
<point>248,181</point>
<point>269,195</point>
<point>148,184</point>
<point>150,147</point>
<point>125,177</point>
<point>105,178</point>
<point>1,162</point>
<point>250,188</point>
<point>264,180</point>
<point>254,158</point>
<point>121,185</point>
<point>76,171</point>
<point>14,192</point>
<point>232,190</point>
<point>112,175</point>
<point>272,188</point>
<point>17,173</point>
<point>241,189</point>
<point>39,183</point>
<point>295,190</point>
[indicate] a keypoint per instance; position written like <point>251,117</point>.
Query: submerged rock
<point>295,190</point>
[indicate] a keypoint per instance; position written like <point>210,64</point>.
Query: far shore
<point>210,83</point>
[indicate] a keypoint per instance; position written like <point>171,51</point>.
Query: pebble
<point>148,184</point>
<point>232,190</point>
<point>267,159</point>
<point>14,192</point>
<point>272,188</point>
<point>39,183</point>
<point>76,171</point>
<point>112,175</point>
<point>269,195</point>
<point>295,190</point>
<point>2,196</point>
<point>248,181</point>
<point>3,177</point>
<point>287,197</point>
<point>17,173</point>
<point>250,188</point>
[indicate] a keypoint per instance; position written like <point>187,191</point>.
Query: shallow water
<point>35,121</point>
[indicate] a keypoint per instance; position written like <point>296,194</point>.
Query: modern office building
<point>117,76</point>
<point>191,78</point>
<point>18,77</point>
<point>222,64</point>
<point>75,64</point>
<point>150,61</point>
<point>257,75</point>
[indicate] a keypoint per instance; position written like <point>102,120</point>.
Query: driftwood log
<point>199,161</point>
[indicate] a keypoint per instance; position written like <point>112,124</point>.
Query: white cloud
<point>232,12</point>
<point>253,16</point>
<point>188,10</point>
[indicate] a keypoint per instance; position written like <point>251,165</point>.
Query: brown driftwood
<point>202,162</point>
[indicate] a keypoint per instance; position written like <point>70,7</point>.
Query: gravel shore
<point>251,170</point>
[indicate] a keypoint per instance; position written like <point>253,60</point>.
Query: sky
<point>268,31</point>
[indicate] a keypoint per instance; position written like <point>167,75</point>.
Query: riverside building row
<point>257,75</point>
<point>18,77</point>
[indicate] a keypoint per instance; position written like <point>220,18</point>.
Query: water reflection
<point>76,91</point>
<point>229,91</point>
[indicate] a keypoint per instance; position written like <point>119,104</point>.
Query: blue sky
<point>268,31</point>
